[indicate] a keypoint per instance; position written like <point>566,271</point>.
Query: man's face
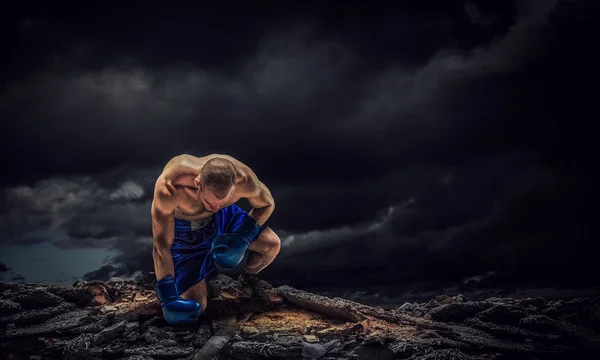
<point>210,201</point>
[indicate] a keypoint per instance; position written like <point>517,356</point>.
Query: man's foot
<point>251,287</point>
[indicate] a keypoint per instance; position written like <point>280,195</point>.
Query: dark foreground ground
<point>122,320</point>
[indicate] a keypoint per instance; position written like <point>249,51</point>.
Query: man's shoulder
<point>179,158</point>
<point>173,167</point>
<point>164,187</point>
<point>165,195</point>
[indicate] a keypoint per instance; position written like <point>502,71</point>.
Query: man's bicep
<point>161,220</point>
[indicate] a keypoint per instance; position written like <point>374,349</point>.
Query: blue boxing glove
<point>228,250</point>
<point>176,311</point>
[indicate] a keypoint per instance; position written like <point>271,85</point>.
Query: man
<point>196,226</point>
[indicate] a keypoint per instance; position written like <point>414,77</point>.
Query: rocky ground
<point>122,320</point>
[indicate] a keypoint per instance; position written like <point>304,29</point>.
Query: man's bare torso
<point>179,174</point>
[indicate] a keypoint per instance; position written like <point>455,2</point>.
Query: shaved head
<point>219,176</point>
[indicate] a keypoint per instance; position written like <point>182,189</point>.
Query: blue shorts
<point>191,247</point>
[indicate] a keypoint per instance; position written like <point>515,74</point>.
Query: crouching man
<point>196,226</point>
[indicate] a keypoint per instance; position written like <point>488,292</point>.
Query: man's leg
<point>263,251</point>
<point>197,292</point>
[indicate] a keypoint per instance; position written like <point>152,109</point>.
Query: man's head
<point>216,183</point>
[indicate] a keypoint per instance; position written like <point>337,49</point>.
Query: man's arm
<point>163,229</point>
<point>260,199</point>
<point>176,311</point>
<point>229,249</point>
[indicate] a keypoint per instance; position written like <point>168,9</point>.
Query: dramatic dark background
<point>441,146</point>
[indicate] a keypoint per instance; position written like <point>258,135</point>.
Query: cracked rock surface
<point>121,319</point>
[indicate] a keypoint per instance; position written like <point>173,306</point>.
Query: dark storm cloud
<point>362,162</point>
<point>104,273</point>
<point>132,258</point>
<point>139,115</point>
<point>74,213</point>
<point>85,212</point>
<point>310,96</point>
<point>4,268</point>
<point>465,224</point>
<point>19,279</point>
<point>8,275</point>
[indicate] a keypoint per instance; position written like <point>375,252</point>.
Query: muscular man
<point>196,226</point>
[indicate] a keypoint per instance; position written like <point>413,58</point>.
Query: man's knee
<point>270,242</point>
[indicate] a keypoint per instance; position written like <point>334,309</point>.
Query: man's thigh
<point>266,241</point>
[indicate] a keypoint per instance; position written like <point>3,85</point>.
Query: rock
<point>553,309</point>
<point>108,309</point>
<point>460,298</point>
<point>431,304</point>
<point>443,300</point>
<point>221,280</point>
<point>9,306</point>
<point>404,349</point>
<point>502,314</point>
<point>37,298</point>
<point>115,280</point>
<point>92,328</point>
<point>199,338</point>
<point>457,311</point>
<point>168,343</point>
<point>131,327</point>
<point>139,310</point>
<point>147,281</point>
<point>37,315</point>
<point>261,350</point>
<point>578,303</point>
<point>54,325</point>
<point>162,352</point>
<point>110,333</point>
<point>538,302</point>
<point>121,319</point>
<point>419,312</point>
<point>154,335</point>
<point>314,351</point>
<point>250,329</point>
<point>452,354</point>
<point>410,307</point>
<point>336,307</point>
<point>139,297</point>
<point>78,296</point>
<point>510,332</point>
<point>101,293</point>
<point>543,323</point>
<point>310,338</point>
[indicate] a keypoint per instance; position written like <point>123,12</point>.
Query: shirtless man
<point>196,225</point>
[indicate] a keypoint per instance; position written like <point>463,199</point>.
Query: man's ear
<point>197,181</point>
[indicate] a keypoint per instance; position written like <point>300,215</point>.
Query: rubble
<point>121,319</point>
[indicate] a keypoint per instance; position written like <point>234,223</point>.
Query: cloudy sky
<point>429,143</point>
